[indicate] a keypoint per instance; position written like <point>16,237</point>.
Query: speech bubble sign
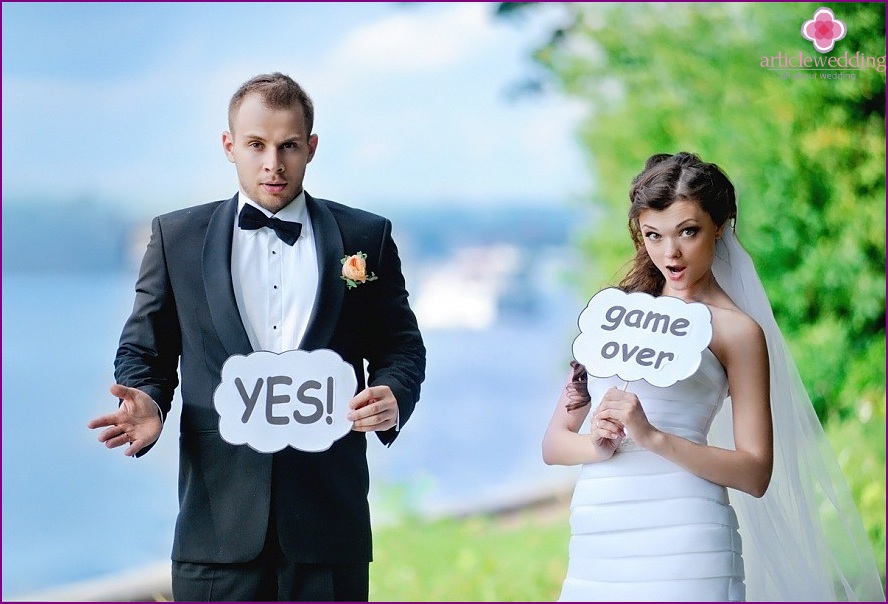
<point>297,398</point>
<point>641,337</point>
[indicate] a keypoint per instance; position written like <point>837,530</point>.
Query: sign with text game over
<point>641,337</point>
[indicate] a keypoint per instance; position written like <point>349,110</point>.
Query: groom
<point>224,279</point>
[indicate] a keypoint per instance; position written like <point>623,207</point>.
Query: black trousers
<point>270,577</point>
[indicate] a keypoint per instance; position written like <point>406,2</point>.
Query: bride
<point>651,515</point>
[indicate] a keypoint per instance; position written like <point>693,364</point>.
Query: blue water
<point>72,510</point>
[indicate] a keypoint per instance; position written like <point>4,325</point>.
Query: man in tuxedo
<point>264,271</point>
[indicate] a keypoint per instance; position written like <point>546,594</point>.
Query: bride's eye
<point>652,236</point>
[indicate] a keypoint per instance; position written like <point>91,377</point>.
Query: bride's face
<point>681,242</point>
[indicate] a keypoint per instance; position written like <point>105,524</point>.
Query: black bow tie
<point>252,218</point>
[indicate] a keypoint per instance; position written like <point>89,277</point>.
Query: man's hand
<point>136,422</point>
<point>373,409</point>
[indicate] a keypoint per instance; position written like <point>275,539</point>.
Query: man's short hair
<point>278,91</point>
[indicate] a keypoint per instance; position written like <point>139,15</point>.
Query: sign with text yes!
<point>638,336</point>
<point>298,398</point>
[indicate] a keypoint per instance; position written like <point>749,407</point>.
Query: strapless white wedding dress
<point>643,528</point>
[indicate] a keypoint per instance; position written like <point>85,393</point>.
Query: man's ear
<point>228,145</point>
<point>312,146</point>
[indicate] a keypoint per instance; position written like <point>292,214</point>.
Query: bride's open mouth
<point>676,271</point>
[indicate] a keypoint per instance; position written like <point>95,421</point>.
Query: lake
<point>73,510</point>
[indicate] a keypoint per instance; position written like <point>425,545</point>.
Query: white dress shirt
<point>275,284</point>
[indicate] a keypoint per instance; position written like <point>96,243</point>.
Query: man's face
<point>270,149</point>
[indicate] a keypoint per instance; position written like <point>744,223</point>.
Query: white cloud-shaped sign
<point>641,337</point>
<point>298,398</point>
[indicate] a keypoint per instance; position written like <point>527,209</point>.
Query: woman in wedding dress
<point>651,517</point>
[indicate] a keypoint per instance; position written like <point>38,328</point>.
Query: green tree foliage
<point>806,153</point>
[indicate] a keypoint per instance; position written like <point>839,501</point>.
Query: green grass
<point>522,556</point>
<point>518,557</point>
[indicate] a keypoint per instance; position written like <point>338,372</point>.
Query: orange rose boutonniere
<point>354,270</point>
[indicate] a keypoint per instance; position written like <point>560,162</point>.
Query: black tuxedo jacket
<point>185,314</point>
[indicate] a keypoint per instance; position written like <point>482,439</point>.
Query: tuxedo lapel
<point>330,250</point>
<point>217,280</point>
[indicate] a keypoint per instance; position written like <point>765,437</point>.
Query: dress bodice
<point>685,408</point>
<point>645,529</point>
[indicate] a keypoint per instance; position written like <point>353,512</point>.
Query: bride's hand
<point>606,434</point>
<point>624,409</point>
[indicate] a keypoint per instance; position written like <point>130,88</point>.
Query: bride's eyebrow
<point>681,225</point>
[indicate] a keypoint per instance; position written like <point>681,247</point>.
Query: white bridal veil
<point>804,540</point>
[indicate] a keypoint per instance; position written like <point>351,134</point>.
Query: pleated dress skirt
<point>643,529</point>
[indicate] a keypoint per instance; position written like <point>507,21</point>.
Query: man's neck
<point>273,211</point>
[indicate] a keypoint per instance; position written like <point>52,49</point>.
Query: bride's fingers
<point>612,415</point>
<point>612,403</point>
<point>607,428</point>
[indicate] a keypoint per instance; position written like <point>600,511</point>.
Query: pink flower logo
<point>824,29</point>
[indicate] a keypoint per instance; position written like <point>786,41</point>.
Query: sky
<point>125,103</point>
